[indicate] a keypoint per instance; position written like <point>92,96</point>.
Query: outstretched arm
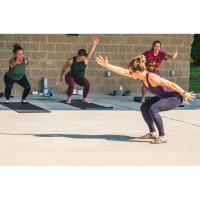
<point>173,56</point>
<point>103,62</point>
<point>26,61</point>
<point>66,65</point>
<point>91,50</point>
<point>156,80</point>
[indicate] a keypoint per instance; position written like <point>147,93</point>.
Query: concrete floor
<point>70,136</point>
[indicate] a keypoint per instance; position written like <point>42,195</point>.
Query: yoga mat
<point>87,106</point>
<point>24,108</point>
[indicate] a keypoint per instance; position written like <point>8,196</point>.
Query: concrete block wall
<point>48,53</point>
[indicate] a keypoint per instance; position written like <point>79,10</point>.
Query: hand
<point>103,62</point>
<point>19,61</point>
<point>175,54</point>
<point>188,96</point>
<point>95,40</point>
<point>26,61</point>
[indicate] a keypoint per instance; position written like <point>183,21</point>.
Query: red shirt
<point>154,62</point>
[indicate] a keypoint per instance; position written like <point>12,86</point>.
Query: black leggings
<point>151,108</point>
<point>9,84</point>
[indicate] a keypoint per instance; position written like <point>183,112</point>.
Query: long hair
<point>157,41</point>
<point>138,63</point>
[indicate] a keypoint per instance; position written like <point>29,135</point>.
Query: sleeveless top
<point>161,91</point>
<point>17,72</point>
<point>78,68</point>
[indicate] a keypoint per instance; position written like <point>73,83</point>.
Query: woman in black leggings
<point>16,74</point>
<point>168,94</point>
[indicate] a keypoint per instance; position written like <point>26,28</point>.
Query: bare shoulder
<point>154,79</point>
<point>153,76</point>
<point>69,61</point>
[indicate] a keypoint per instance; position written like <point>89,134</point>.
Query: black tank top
<point>78,68</point>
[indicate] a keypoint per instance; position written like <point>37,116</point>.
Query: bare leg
<point>69,100</point>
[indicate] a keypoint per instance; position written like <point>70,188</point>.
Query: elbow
<point>173,85</point>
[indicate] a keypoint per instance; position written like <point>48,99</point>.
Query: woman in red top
<point>154,58</point>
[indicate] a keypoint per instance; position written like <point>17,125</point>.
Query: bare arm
<point>65,66</point>
<point>92,48</point>
<point>173,56</point>
<point>12,62</point>
<point>156,80</point>
<point>26,61</point>
<point>119,70</point>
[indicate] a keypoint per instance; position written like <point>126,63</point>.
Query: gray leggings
<point>151,108</point>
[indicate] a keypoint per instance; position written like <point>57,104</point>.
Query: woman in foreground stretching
<point>168,95</point>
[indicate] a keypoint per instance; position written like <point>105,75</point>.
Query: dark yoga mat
<point>24,108</point>
<point>87,106</point>
<point>138,99</point>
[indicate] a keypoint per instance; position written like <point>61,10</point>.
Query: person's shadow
<point>112,137</point>
<point>121,138</point>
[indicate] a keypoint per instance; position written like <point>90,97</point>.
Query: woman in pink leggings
<point>78,65</point>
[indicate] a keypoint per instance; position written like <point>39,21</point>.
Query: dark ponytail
<point>16,47</point>
<point>157,41</point>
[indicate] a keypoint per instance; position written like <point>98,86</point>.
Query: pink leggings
<point>72,80</point>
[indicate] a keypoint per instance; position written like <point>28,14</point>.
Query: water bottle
<point>121,90</point>
<point>51,92</point>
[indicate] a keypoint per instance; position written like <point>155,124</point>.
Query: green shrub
<point>195,51</point>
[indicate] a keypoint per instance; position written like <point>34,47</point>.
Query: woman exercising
<point>154,58</point>
<point>168,94</point>
<point>16,74</point>
<point>78,65</point>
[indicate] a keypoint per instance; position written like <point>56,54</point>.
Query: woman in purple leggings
<point>168,94</point>
<point>78,65</point>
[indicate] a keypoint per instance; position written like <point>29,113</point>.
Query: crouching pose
<point>16,74</point>
<point>168,95</point>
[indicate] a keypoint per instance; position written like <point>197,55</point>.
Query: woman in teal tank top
<point>16,74</point>
<point>78,65</point>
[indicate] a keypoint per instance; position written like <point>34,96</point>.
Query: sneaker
<point>7,101</point>
<point>151,135</point>
<point>24,101</point>
<point>159,140</point>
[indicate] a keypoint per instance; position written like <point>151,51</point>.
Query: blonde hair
<point>138,63</point>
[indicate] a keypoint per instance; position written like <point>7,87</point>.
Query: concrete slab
<point>63,137</point>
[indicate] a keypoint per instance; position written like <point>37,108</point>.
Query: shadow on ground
<point>121,138</point>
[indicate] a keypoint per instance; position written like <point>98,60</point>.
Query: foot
<point>24,101</point>
<point>85,100</point>
<point>69,100</point>
<point>7,101</point>
<point>151,135</point>
<point>159,140</point>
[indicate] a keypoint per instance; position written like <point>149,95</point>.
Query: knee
<point>70,81</point>
<point>71,84</point>
<point>27,88</point>
<point>154,110</point>
<point>143,107</point>
<point>8,87</point>
<point>87,84</point>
